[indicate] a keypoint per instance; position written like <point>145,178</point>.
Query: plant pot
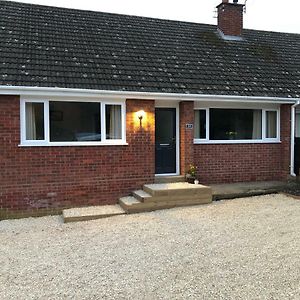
<point>196,181</point>
<point>190,180</point>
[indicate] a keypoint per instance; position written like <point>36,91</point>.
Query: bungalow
<point>94,105</point>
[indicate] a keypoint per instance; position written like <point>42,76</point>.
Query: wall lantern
<point>141,114</point>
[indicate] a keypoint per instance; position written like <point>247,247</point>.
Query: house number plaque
<point>189,126</point>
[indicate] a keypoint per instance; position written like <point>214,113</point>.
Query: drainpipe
<point>292,171</point>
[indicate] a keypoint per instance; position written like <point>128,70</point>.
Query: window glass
<point>113,122</point>
<point>200,124</point>
<point>235,124</point>
<point>34,121</point>
<point>74,121</point>
<point>298,125</point>
<point>271,124</point>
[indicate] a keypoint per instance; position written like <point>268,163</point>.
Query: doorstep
<point>169,195</point>
<point>166,195</point>
<point>152,197</point>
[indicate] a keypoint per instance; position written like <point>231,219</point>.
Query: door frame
<point>169,104</point>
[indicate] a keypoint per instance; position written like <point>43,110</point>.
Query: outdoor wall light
<point>141,114</point>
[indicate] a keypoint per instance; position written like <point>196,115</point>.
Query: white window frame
<point>263,140</point>
<point>206,139</point>
<point>47,142</point>
<point>277,139</point>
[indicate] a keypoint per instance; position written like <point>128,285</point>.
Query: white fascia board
<point>66,92</point>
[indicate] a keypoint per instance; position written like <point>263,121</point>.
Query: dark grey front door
<point>165,140</point>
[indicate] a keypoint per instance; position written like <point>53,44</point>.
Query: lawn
<point>238,249</point>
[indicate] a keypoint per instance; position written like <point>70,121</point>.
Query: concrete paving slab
<point>91,213</point>
<point>246,189</point>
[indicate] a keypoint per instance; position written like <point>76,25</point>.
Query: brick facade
<point>41,180</point>
<point>186,116</point>
<point>219,163</point>
<point>37,180</point>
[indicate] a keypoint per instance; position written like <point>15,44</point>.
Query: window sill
<point>75,144</point>
<point>228,142</point>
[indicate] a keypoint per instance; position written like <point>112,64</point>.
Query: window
<point>113,122</point>
<point>271,124</point>
<point>72,123</point>
<point>35,129</point>
<point>229,125</point>
<point>235,124</point>
<point>297,124</point>
<point>200,124</point>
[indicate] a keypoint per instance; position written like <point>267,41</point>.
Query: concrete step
<point>205,197</point>
<point>129,203</point>
<point>176,189</point>
<point>134,206</point>
<point>91,213</point>
<point>161,196</point>
<point>169,179</point>
<point>141,195</point>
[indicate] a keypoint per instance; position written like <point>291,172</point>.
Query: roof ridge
<point>104,12</point>
<point>135,16</point>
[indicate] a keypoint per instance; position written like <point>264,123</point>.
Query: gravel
<point>239,249</point>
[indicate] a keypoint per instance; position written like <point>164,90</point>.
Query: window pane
<point>271,126</point>
<point>298,125</point>
<point>235,124</point>
<point>200,124</point>
<point>74,121</point>
<point>113,122</point>
<point>34,121</point>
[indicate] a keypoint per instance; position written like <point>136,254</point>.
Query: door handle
<point>164,144</point>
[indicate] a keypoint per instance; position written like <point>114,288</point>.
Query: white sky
<point>275,15</point>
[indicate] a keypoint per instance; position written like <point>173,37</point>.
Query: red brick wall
<point>35,180</point>
<point>50,178</point>
<point>219,163</point>
<point>186,116</point>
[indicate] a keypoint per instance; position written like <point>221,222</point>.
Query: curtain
<point>30,122</point>
<point>115,122</point>
<point>271,124</point>
<point>197,124</point>
<point>256,133</point>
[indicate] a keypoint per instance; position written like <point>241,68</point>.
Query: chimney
<point>230,18</point>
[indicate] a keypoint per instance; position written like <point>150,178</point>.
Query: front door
<point>165,140</point>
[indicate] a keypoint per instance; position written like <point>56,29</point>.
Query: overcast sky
<point>272,15</point>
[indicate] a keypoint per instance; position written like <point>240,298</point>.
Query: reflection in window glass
<point>34,121</point>
<point>271,126</point>
<point>200,124</point>
<point>235,124</point>
<point>74,121</point>
<point>113,122</point>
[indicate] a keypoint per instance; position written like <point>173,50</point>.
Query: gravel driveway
<point>239,249</point>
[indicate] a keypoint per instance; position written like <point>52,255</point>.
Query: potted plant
<point>191,174</point>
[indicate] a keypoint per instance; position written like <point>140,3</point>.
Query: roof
<point>58,47</point>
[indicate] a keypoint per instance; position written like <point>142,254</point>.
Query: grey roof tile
<point>57,47</point>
